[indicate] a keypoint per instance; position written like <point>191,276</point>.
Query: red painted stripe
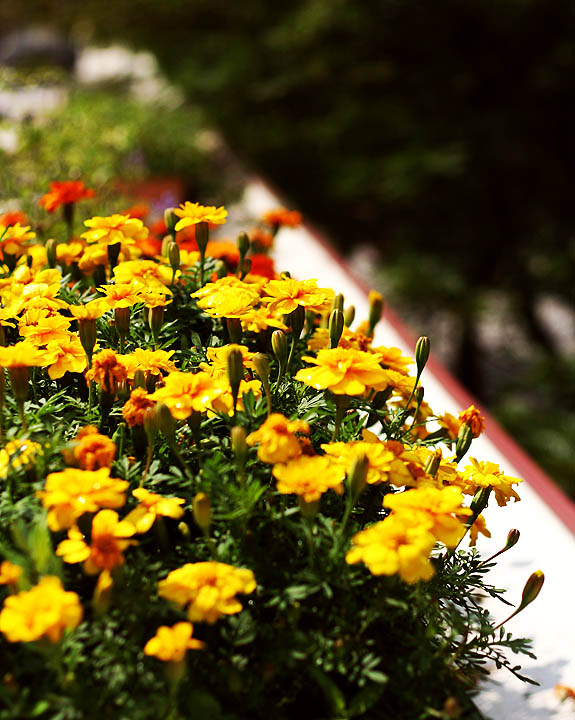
<point>548,491</point>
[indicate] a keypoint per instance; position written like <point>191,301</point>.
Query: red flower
<point>64,193</point>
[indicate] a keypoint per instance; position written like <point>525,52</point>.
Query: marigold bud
<point>338,301</point>
<point>262,365</point>
<point>239,446</point>
<point>139,379</point>
<point>375,309</point>
<point>156,319</point>
<point>202,236</point>
<point>463,442</point>
<point>164,422</point>
<point>243,242</point>
<point>479,502</point>
<point>336,323</point>
<point>532,588</point>
<point>280,349</point>
<point>296,320</point>
<point>357,476</point>
<point>88,334</point>
<point>349,315</point>
<point>122,318</point>
<point>166,240</point>
<point>170,218</point>
<point>234,328</point>
<point>422,349</point>
<point>512,538</point>
<point>174,255</point>
<point>51,252</point>
<point>244,267</point>
<point>202,511</point>
<point>235,366</point>
<point>433,461</point>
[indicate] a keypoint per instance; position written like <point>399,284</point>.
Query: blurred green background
<point>438,134</point>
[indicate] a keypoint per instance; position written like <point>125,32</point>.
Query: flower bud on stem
<point>530,592</point>
<point>235,366</point>
<point>280,350</point>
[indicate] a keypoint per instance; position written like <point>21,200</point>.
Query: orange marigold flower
<point>309,477</point>
<point>69,356</point>
<point>91,450</point>
<point>284,296</point>
<point>139,211</point>
<point>261,240</point>
<point>185,393</point>
<point>170,644</point>
<point>24,354</point>
<point>108,540</point>
<point>194,213</point>
<point>474,419</point>
<point>44,329</point>
<point>136,406</point>
<point>224,250</point>
<point>114,229</point>
<point>344,372</point>
<point>208,589</point>
<point>45,611</point>
<point>282,218</point>
<point>70,493</point>
<point>107,370</point>
<point>121,295</point>
<point>262,267</point>
<point>10,573</point>
<point>11,218</point>
<point>64,193</point>
<point>151,505</point>
<point>277,439</point>
<point>151,362</point>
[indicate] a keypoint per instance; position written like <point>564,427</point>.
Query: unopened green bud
<point>375,309</point>
<point>88,335</point>
<point>239,446</point>
<point>433,462</point>
<point>51,252</point>
<point>532,588</point>
<point>338,302</point>
<point>156,319</point>
<point>245,267</point>
<point>479,502</point>
<point>262,365</point>
<point>164,422</point>
<point>296,320</point>
<point>336,323</point>
<point>235,366</point>
<point>512,539</point>
<point>171,219</point>
<point>139,379</point>
<point>463,442</point>
<point>234,327</point>
<point>202,236</point>
<point>357,476</point>
<point>122,318</point>
<point>280,349</point>
<point>202,511</point>
<point>174,255</point>
<point>150,425</point>
<point>243,242</point>
<point>422,349</point>
<point>166,240</point>
<point>349,315</point>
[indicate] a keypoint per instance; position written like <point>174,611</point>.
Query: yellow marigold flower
<point>107,370</point>
<point>485,474</point>
<point>24,354</point>
<point>136,406</point>
<point>224,403</point>
<point>193,213</point>
<point>151,505</point>
<point>398,544</point>
<point>89,311</point>
<point>108,540</point>
<point>227,299</point>
<point>70,493</point>
<point>90,450</point>
<point>69,356</point>
<point>258,319</point>
<point>95,256</point>
<point>277,439</point>
<point>53,328</point>
<point>45,611</point>
<point>170,644</point>
<point>284,296</point>
<point>14,238</point>
<point>121,295</point>
<point>68,253</point>
<point>10,573</point>
<point>320,340</point>
<point>150,362</point>
<point>479,526</point>
<point>156,299</point>
<point>17,453</point>
<point>383,466</point>
<point>472,417</point>
<point>344,372</point>
<point>148,275</point>
<point>188,258</point>
<point>434,509</point>
<point>217,365</point>
<point>185,393</point>
<point>208,589</point>
<point>114,229</point>
<point>309,477</point>
<point>282,217</point>
<point>450,423</point>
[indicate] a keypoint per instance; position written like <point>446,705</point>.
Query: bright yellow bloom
<point>227,297</point>
<point>472,417</point>
<point>150,362</point>
<point>193,213</point>
<point>108,370</point>
<point>45,611</point>
<point>46,329</point>
<point>344,372</point>
<point>10,573</point>
<point>277,439</point>
<point>136,406</point>
<point>156,299</point>
<point>485,474</point>
<point>24,354</point>
<point>151,506</point>
<point>15,238</point>
<point>208,589</point>
<point>450,423</point>
<point>398,544</point>
<point>258,319</point>
<point>91,450</point>
<point>170,644</point>
<point>89,311</point>
<point>121,295</point>
<point>284,296</point>
<point>433,508</point>
<point>224,403</point>
<point>217,365</point>
<point>145,274</point>
<point>309,477</point>
<point>70,493</point>
<point>108,540</point>
<point>185,393</point>
<point>69,356</point>
<point>17,453</point>
<point>68,253</point>
<point>114,229</point>
<point>383,465</point>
